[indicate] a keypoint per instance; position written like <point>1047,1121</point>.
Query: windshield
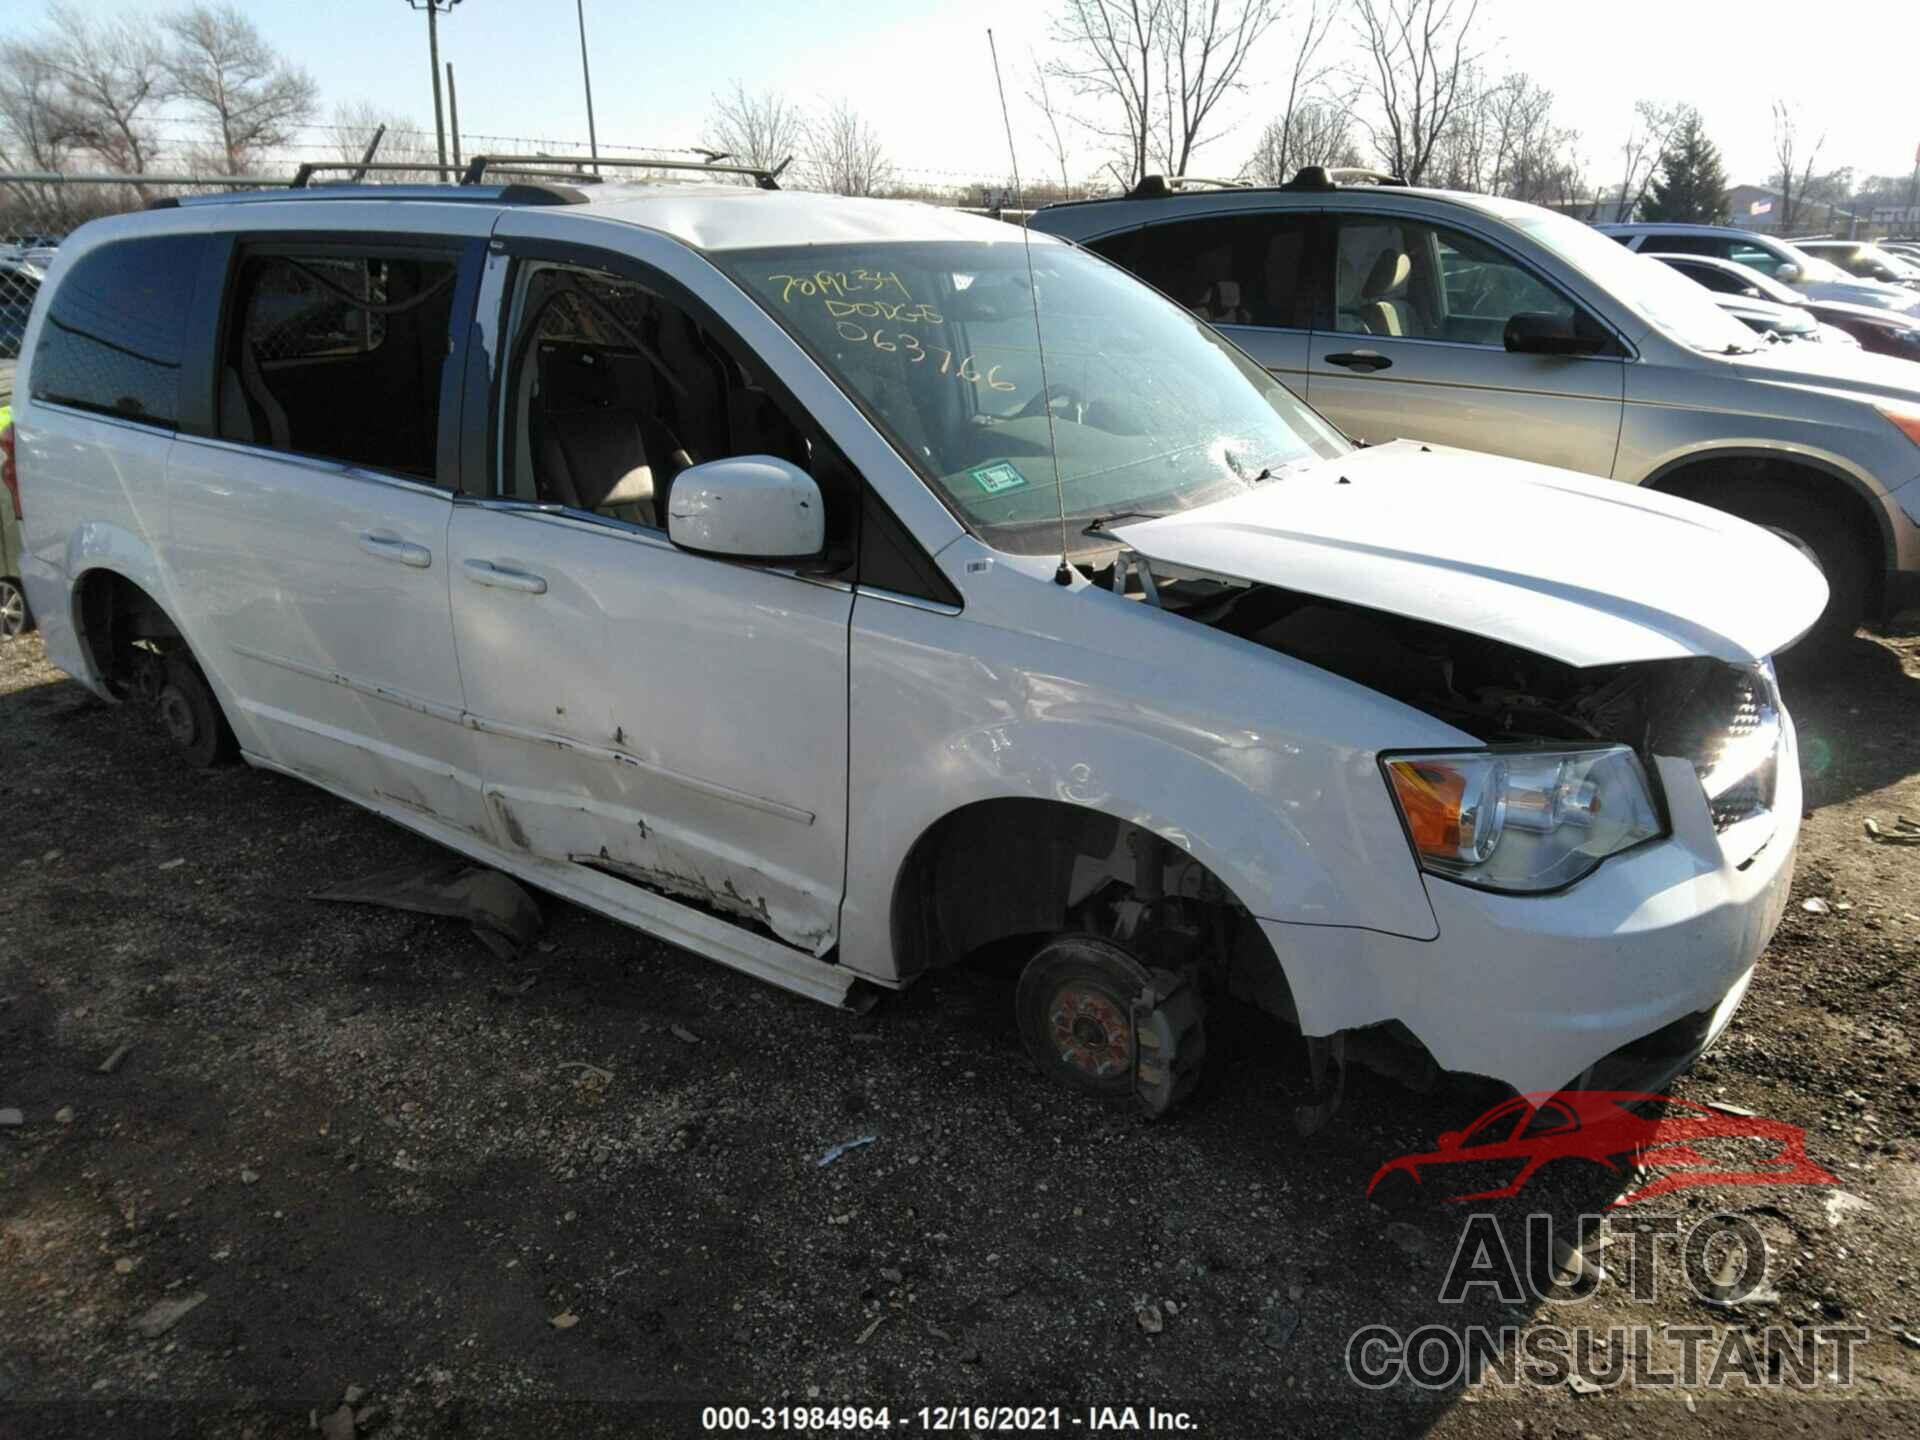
<point>1152,411</point>
<point>1676,306</point>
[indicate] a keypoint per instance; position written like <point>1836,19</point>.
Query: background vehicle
<point>19,284</point>
<point>1881,332</point>
<point>1865,260</point>
<point>15,617</point>
<point>1814,277</point>
<point>1493,325</point>
<point>1779,322</point>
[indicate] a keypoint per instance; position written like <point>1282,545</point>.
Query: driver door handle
<point>391,547</point>
<point>1362,360</point>
<point>485,572</point>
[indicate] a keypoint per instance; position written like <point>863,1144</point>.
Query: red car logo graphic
<point>1599,1126</point>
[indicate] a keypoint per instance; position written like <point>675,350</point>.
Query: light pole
<point>433,9</point>
<point>586,78</point>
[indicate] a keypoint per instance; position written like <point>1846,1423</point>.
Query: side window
<point>1228,270</point>
<point>1717,281</point>
<point>1687,245</point>
<point>1753,257</point>
<point>338,353</point>
<point>612,390</point>
<point>1411,280</point>
<point>112,338</point>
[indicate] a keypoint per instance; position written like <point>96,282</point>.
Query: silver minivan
<point>1498,326</point>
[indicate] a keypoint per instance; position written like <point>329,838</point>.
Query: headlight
<point>1522,819</point>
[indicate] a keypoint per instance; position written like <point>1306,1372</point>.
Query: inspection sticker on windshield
<point>995,478</point>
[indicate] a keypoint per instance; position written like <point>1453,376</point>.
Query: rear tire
<point>191,718</point>
<point>1823,535</point>
<point>15,618</point>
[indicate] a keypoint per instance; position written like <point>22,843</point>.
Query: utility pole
<point>433,9</point>
<point>586,78</point>
<point>453,115</point>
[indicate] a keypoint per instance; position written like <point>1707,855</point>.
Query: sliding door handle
<point>504,577</point>
<point>383,546</point>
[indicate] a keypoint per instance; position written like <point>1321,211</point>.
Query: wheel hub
<point>13,611</point>
<point>176,715</point>
<point>1091,1032</point>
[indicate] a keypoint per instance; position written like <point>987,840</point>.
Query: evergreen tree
<point>1692,185</point>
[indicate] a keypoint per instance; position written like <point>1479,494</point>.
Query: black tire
<point>191,717</point>
<point>1807,521</point>
<point>1074,1006</point>
<point>15,618</point>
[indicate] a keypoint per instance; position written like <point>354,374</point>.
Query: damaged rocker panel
<point>471,721</point>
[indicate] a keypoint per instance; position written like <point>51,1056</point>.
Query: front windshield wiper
<point>1100,522</point>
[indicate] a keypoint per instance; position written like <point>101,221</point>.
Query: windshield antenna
<point>1064,575</point>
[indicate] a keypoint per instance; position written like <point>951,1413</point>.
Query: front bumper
<point>1638,966</point>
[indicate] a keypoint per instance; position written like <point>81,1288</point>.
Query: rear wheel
<point>15,618</point>
<point>1822,534</point>
<point>191,716</point>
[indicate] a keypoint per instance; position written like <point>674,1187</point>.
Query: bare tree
<point>844,155</point>
<point>1204,46</point>
<point>247,97</point>
<point>1059,147</point>
<point>402,142</point>
<point>1318,132</point>
<point>763,130</point>
<point>31,136</point>
<point>1791,147</point>
<point>1154,73</point>
<point>1107,58</point>
<point>1645,147</point>
<point>1418,54</point>
<point>109,82</point>
<point>1308,130</point>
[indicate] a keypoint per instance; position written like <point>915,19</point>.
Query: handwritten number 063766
<point>919,352</point>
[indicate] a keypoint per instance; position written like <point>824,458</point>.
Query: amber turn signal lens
<point>1430,796</point>
<point>1907,420</point>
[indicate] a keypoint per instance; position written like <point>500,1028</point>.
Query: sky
<point>920,71</point>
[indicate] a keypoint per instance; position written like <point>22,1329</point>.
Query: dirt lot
<point>584,1194</point>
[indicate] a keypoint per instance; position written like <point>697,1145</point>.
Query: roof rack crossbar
<point>1154,186</point>
<point>477,168</point>
<point>308,169</point>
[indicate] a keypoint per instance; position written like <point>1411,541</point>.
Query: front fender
<point>1260,766</point>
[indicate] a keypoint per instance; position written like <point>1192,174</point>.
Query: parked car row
<point>840,589</point>
<point>1879,330</point>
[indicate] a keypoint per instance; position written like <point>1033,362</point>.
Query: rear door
<point>309,531</point>
<point>1416,349</point>
<point>671,720</point>
<point>1247,274</point>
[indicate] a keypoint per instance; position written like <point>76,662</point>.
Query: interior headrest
<point>1391,270</point>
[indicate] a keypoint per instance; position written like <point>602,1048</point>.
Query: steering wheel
<point>1055,395</point>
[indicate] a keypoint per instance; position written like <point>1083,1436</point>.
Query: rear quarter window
<point>112,337</point>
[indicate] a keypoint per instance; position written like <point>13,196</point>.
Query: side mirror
<point>1787,274</point>
<point>1535,333</point>
<point>1752,292</point>
<point>750,507</point>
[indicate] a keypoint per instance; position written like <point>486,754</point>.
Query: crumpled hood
<point>1588,572</point>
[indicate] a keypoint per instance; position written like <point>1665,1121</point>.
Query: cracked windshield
<point>1151,412</point>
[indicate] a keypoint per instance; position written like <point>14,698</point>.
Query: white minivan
<point>834,588</point>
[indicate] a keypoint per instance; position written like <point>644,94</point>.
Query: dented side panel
<point>660,717</point>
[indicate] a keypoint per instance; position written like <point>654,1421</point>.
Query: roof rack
<point>1319,177</point>
<point>1155,187</point>
<point>509,194</point>
<point>477,167</point>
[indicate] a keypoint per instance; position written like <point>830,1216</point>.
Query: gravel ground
<point>352,1151</point>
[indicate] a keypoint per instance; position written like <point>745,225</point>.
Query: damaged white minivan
<point>695,553</point>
